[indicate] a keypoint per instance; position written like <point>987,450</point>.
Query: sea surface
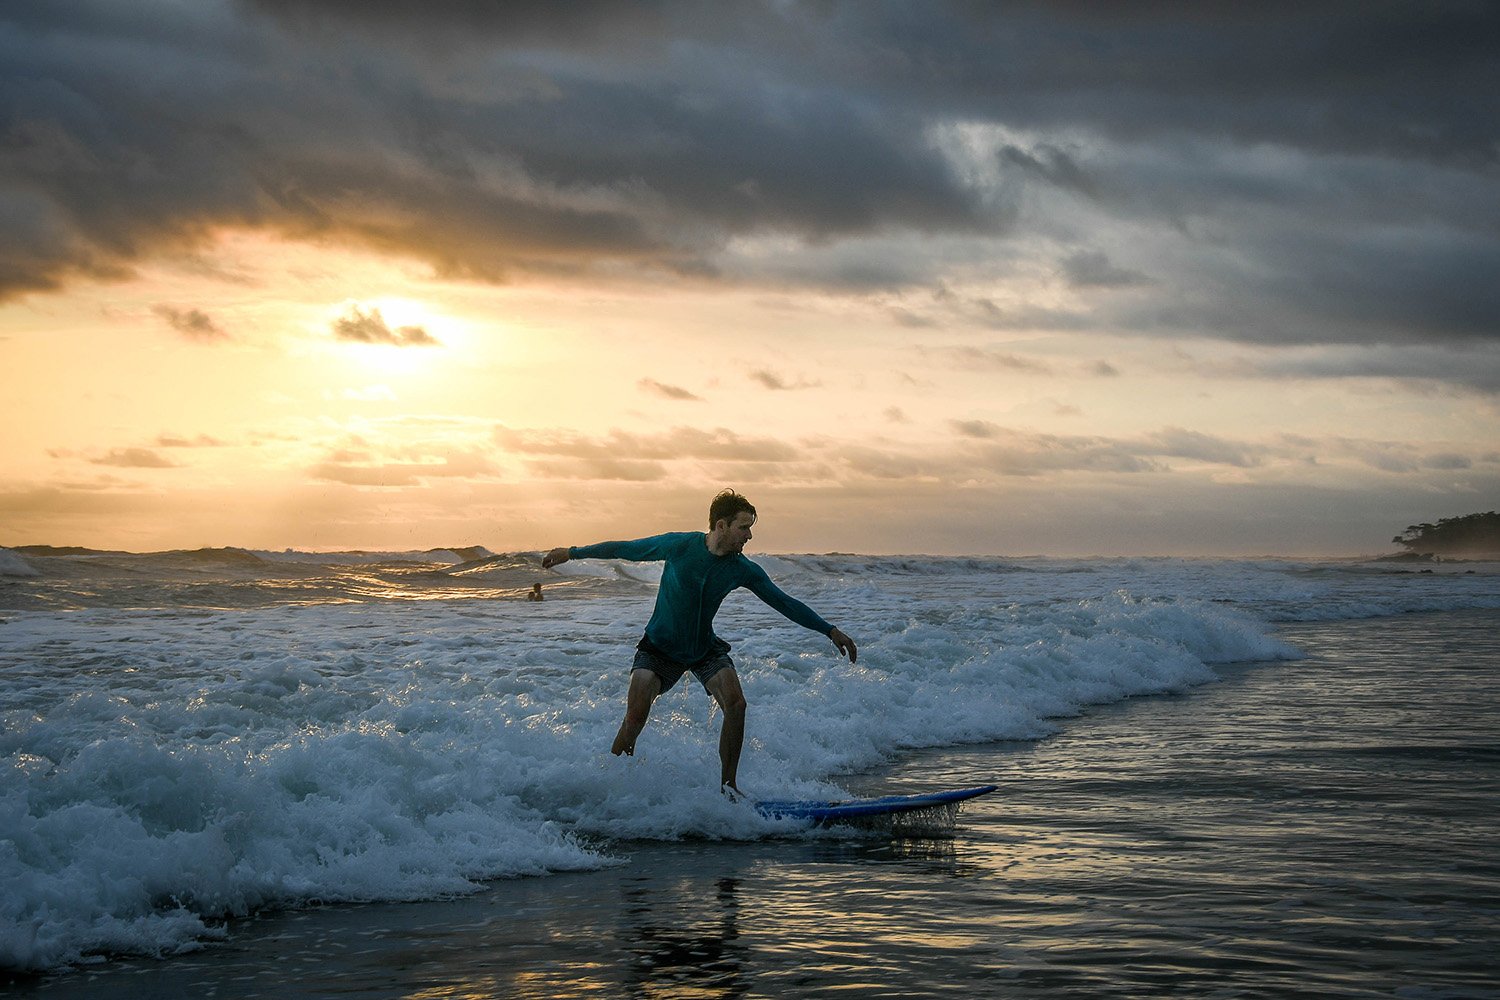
<point>1218,778</point>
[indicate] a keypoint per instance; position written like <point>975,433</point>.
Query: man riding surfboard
<point>702,568</point>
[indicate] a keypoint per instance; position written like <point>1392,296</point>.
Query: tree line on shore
<point>1470,535</point>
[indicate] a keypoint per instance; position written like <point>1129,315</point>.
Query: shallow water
<point>1321,827</point>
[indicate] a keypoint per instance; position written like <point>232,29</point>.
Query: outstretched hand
<point>845,644</point>
<point>558,555</point>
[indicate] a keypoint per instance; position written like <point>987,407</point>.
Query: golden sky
<point>287,274</point>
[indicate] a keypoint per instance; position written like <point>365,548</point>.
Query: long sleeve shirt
<point>694,583</point>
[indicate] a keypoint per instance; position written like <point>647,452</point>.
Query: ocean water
<point>198,745</point>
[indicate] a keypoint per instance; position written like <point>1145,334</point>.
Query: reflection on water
<point>702,957</point>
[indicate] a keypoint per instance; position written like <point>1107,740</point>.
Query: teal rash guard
<point>693,585</point>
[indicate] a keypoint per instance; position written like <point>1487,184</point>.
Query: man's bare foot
<point>732,792</point>
<point>623,745</point>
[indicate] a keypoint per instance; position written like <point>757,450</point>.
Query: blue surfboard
<point>852,809</point>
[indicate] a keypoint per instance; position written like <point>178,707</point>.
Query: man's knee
<point>726,690</point>
<point>644,688</point>
<point>645,685</point>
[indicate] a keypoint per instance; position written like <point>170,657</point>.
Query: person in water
<point>536,592</point>
<point>701,569</point>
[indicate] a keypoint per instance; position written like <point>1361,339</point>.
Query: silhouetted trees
<point>1472,534</point>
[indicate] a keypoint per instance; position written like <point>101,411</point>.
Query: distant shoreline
<point>472,552</point>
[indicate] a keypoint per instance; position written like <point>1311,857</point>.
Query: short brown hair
<point>727,504</point>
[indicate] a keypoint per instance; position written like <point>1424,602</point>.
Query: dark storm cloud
<point>597,27</point>
<point>1050,164</point>
<point>1457,367</point>
<point>1281,173</point>
<point>1093,269</point>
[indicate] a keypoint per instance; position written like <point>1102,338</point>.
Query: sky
<point>953,278</point>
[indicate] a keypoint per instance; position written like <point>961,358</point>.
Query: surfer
<point>701,569</point>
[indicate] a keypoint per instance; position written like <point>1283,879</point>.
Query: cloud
<point>199,441</point>
<point>1176,442</point>
<point>1004,451</point>
<point>370,328</point>
<point>194,324</point>
<point>979,451</point>
<point>133,458</point>
<point>1051,164</point>
<point>651,385</point>
<point>1467,366</point>
<point>1448,461</point>
<point>626,457</point>
<point>360,467</point>
<point>1340,187</point>
<point>1098,515</point>
<point>1093,269</point>
<point>984,446</point>
<point>969,358</point>
<point>719,444</point>
<point>982,429</point>
<point>1011,453</point>
<point>1399,458</point>
<point>913,320</point>
<point>779,383</point>
<point>987,313</point>
<point>600,468</point>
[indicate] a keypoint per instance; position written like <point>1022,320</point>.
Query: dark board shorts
<point>648,657</point>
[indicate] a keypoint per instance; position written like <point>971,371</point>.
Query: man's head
<point>726,505</point>
<point>729,519</point>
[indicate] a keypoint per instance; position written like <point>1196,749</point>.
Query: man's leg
<point>725,687</point>
<point>644,687</point>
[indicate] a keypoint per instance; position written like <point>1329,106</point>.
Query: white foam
<point>163,769</point>
<point>12,564</point>
<point>611,569</point>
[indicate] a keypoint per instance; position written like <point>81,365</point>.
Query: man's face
<point>737,533</point>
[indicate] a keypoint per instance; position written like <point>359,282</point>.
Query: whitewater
<point>189,737</point>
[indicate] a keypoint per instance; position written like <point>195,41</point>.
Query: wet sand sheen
<point>1322,828</point>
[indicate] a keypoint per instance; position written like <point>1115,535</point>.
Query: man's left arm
<point>759,584</point>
